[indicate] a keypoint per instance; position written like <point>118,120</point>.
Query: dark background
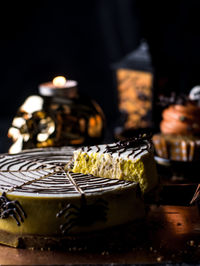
<point>82,39</point>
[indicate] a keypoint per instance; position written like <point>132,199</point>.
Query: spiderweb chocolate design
<point>41,173</point>
<point>137,144</point>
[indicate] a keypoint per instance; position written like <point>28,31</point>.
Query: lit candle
<point>59,81</point>
<point>59,86</point>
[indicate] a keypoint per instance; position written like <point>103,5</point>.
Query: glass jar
<point>58,116</point>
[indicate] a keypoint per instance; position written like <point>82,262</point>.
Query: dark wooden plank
<point>169,234</point>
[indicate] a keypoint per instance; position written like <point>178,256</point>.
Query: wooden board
<point>169,234</point>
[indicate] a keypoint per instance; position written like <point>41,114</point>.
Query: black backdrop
<point>81,40</point>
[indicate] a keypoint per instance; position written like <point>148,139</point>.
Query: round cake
<point>40,202</point>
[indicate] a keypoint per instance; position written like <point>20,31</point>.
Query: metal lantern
<point>134,76</point>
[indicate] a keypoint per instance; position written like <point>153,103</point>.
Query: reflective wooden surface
<point>169,234</point>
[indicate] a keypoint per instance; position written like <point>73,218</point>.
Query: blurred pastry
<point>179,137</point>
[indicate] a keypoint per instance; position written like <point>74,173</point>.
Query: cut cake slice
<point>43,206</point>
<point>130,160</point>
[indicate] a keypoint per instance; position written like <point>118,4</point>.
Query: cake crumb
<point>159,258</point>
<point>104,253</point>
<point>191,243</point>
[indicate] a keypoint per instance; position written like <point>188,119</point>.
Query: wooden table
<point>170,234</point>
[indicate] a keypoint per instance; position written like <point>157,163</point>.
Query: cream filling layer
<point>141,168</point>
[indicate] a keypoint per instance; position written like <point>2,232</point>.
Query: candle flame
<point>59,81</point>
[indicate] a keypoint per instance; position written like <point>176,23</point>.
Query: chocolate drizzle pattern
<point>41,171</point>
<point>136,145</point>
<point>98,148</point>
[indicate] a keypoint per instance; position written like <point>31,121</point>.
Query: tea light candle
<point>59,86</point>
<point>59,81</point>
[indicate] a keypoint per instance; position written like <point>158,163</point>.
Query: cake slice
<point>130,160</point>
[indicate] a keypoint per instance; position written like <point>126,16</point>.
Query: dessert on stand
<point>177,145</point>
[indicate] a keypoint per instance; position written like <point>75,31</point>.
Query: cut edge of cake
<point>131,160</point>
